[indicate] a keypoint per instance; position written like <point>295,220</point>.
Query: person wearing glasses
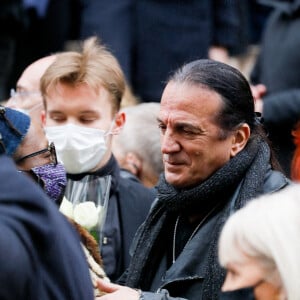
<point>40,254</point>
<point>27,96</point>
<point>25,141</point>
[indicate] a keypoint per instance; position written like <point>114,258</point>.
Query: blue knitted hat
<point>14,126</point>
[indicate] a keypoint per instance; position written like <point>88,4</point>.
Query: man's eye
<point>57,118</point>
<point>87,120</point>
<point>162,127</point>
<point>187,131</point>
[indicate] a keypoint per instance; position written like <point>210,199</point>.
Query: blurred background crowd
<point>54,55</point>
<point>152,38</point>
<point>149,37</point>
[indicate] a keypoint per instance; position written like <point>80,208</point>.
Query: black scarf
<point>250,165</point>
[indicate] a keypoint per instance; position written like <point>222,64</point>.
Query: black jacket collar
<point>110,168</point>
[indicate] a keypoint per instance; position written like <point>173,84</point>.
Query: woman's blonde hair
<point>267,229</point>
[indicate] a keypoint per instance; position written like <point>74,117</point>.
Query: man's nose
<point>169,143</point>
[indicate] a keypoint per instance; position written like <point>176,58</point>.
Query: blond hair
<point>94,66</point>
<point>267,229</point>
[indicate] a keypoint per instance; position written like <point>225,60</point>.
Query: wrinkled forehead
<point>189,101</point>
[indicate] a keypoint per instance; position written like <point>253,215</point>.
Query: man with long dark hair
<point>216,158</point>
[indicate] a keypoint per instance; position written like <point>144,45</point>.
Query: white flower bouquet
<point>86,202</point>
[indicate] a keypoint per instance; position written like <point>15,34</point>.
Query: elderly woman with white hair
<point>260,245</point>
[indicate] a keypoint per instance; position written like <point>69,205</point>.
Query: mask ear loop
<point>30,110</point>
<point>34,176</point>
<point>37,179</point>
<point>35,106</point>
<point>110,131</point>
<point>115,131</point>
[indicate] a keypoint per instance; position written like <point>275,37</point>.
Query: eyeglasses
<point>50,149</point>
<point>22,94</point>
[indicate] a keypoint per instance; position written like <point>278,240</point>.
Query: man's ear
<point>43,117</point>
<point>133,163</point>
<point>119,122</point>
<point>240,139</point>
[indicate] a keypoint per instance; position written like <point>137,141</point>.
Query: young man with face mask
<point>82,94</point>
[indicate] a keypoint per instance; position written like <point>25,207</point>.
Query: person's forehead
<point>79,100</point>
<point>249,266</point>
<point>188,101</point>
<point>82,90</point>
<point>29,82</point>
<point>31,76</point>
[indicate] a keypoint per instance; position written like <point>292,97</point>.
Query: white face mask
<point>79,148</point>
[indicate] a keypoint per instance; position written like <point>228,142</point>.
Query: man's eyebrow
<point>180,123</point>
<point>55,111</point>
<point>193,128</point>
<point>183,124</point>
<point>90,112</point>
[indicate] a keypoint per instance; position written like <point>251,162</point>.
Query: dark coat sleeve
<point>135,202</point>
<point>282,109</point>
<point>230,25</point>
<point>40,253</point>
<point>16,268</point>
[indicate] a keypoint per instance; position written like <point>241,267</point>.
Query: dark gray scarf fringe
<point>252,186</point>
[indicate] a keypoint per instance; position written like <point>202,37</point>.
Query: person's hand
<point>115,291</point>
<point>258,105</point>
<point>258,91</point>
<point>218,53</point>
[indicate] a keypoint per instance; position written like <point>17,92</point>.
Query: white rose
<point>87,214</point>
<point>66,207</point>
